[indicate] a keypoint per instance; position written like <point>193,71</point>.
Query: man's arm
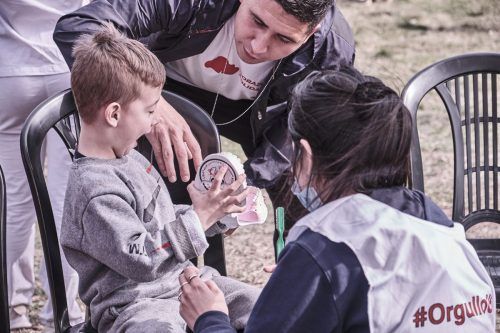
<point>273,155</point>
<point>139,19</point>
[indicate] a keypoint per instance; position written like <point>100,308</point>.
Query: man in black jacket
<point>238,59</point>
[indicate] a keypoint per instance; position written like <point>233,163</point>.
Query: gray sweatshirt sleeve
<point>215,229</point>
<point>114,235</point>
<point>186,231</point>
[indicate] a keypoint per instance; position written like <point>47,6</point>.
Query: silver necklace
<point>256,97</point>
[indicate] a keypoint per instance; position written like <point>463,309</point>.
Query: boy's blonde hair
<point>109,67</point>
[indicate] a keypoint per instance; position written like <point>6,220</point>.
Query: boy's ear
<point>112,114</point>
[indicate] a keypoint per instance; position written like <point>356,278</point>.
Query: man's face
<point>263,31</point>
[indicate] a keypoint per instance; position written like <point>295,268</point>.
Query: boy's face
<point>263,31</point>
<point>136,119</point>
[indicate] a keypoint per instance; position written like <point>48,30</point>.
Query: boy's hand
<point>215,203</point>
<point>172,130</point>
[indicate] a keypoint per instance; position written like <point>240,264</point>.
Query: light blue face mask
<point>308,197</point>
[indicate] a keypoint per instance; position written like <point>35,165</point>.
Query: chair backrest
<point>59,112</point>
<point>4,297</point>
<point>467,85</point>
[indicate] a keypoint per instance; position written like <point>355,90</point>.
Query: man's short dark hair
<point>307,11</point>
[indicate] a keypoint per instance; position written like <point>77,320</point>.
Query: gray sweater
<point>123,235</point>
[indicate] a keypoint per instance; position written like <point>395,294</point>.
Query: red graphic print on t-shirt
<point>222,65</point>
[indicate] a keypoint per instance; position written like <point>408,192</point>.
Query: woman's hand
<point>269,268</point>
<point>197,297</point>
<point>216,203</point>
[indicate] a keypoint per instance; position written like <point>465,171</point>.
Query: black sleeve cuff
<point>213,321</point>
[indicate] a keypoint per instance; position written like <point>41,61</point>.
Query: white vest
<point>423,277</point>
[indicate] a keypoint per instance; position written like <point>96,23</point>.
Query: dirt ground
<point>394,40</point>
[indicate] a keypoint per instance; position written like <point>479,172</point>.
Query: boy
<point>121,232</point>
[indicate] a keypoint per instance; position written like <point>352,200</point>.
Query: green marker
<point>280,226</point>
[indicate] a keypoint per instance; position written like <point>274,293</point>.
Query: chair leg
<point>215,257</point>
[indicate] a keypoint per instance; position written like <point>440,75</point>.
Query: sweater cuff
<point>188,237</point>
<point>213,321</point>
<point>216,228</point>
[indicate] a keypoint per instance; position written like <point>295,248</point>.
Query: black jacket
<point>175,29</point>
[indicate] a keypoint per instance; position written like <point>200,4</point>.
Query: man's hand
<point>216,203</point>
<point>198,297</point>
<point>172,130</point>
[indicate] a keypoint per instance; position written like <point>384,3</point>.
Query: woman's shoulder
<point>330,255</point>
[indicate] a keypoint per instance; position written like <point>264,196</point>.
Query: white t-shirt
<point>26,28</point>
<point>219,69</point>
